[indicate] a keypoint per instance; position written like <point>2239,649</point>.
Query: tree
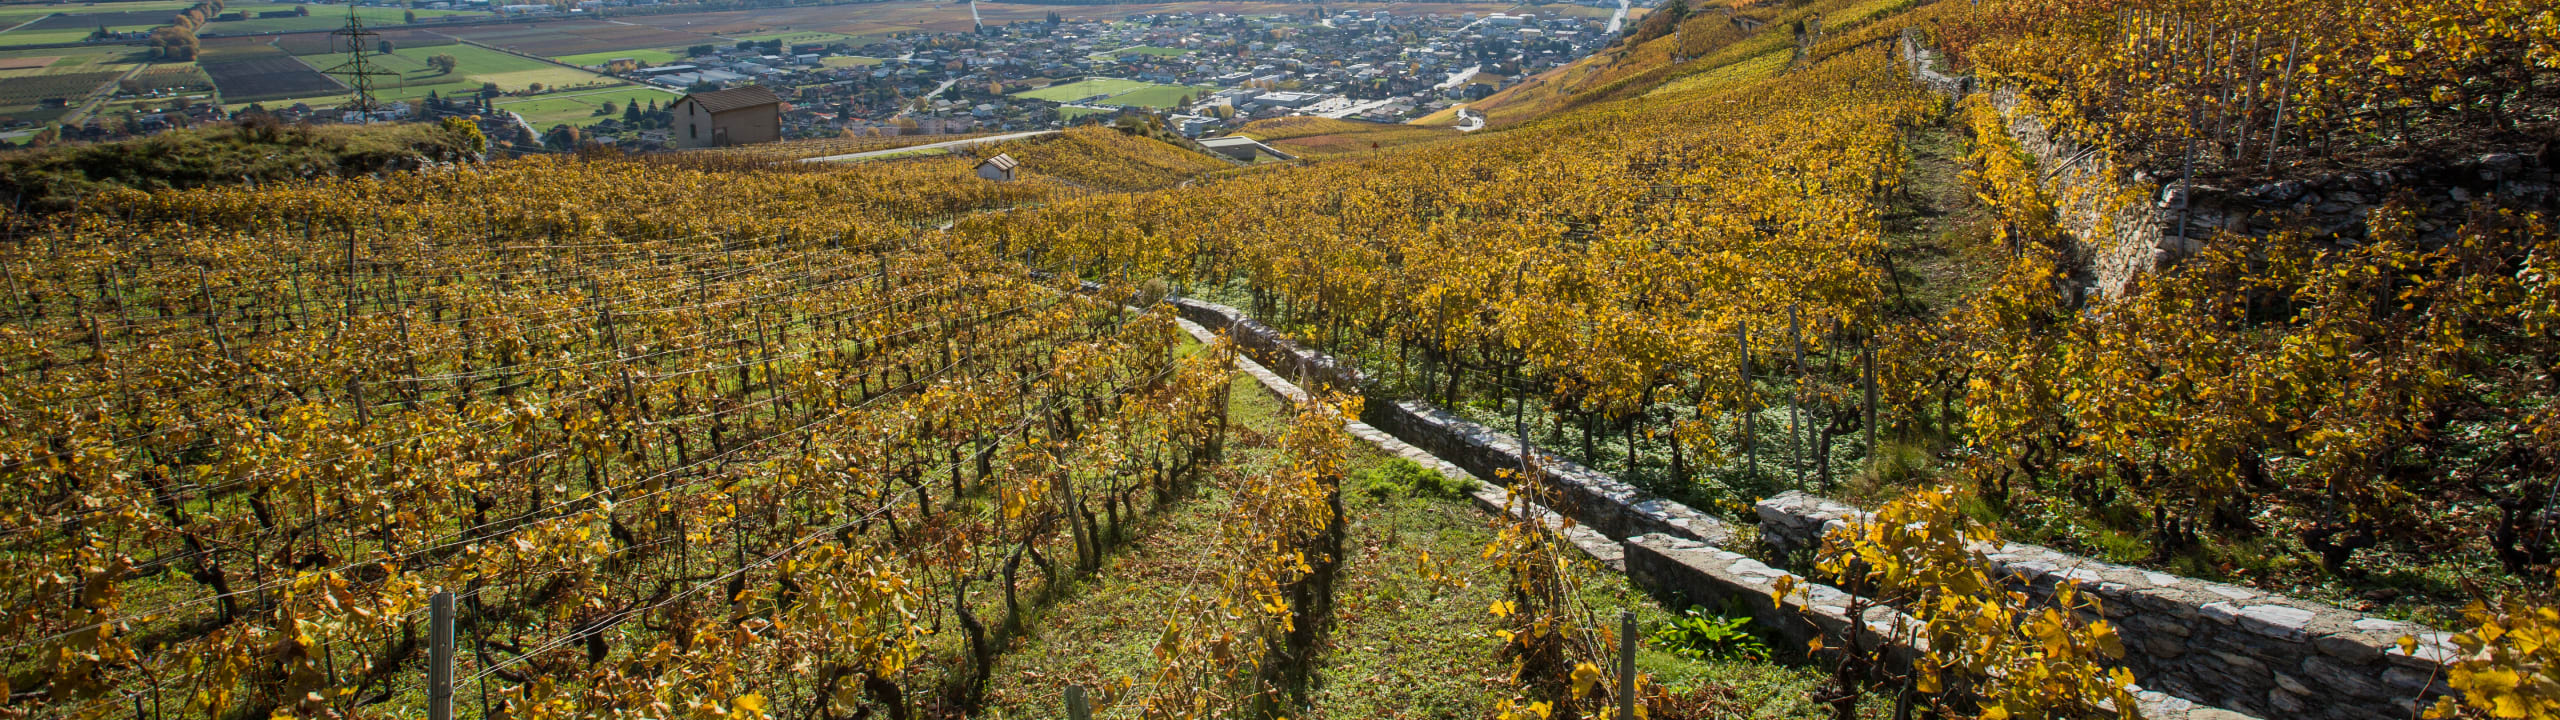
<point>533,87</point>
<point>1054,19</point>
<point>631,112</point>
<point>302,11</point>
<point>562,136</point>
<point>700,50</point>
<point>385,46</point>
<point>170,42</point>
<point>605,109</point>
<point>444,64</point>
<point>409,16</point>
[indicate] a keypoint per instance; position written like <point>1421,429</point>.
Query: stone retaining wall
<point>1615,508</point>
<point>2230,646</point>
<point>1701,574</point>
<point>2127,224</point>
<point>1667,548</point>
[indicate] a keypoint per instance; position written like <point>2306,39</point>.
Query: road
<point>1469,120</point>
<point>1459,77</point>
<point>851,157</point>
<point>1618,20</point>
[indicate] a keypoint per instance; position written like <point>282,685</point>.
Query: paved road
<point>1618,20</point>
<point>850,157</point>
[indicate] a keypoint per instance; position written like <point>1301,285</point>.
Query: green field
<point>475,65</point>
<point>799,38</point>
<point>579,108</point>
<point>1153,50</point>
<point>15,13</point>
<point>1081,89</point>
<point>100,64</point>
<point>651,56</point>
<point>21,38</point>
<point>1160,96</point>
<point>322,17</point>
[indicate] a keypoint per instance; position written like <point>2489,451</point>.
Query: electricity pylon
<point>358,71</point>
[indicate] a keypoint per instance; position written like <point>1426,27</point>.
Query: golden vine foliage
<point>1608,257</point>
<point>1989,648</point>
<point>679,454</point>
<point>2510,662</point>
<point>1227,651</point>
<point>1105,159</point>
<point>1562,654</point>
<point>2263,373</point>
<point>2153,80</point>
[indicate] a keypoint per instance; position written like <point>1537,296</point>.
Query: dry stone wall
<point>2230,646</point>
<point>1615,508</point>
<point>2126,223</point>
<point>1681,554</point>
<point>1701,574</point>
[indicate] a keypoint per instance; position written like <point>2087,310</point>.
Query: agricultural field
<point>29,79</point>
<point>1114,91</point>
<point>867,19</point>
<point>1154,51</point>
<point>790,38</point>
<point>325,44</point>
<point>849,61</point>
<point>267,79</point>
<point>646,56</point>
<point>1079,90</point>
<point>474,66</point>
<point>67,26</point>
<point>322,18</point>
<point>579,108</point>
<point>1159,96</point>
<point>578,38</point>
<point>179,77</point>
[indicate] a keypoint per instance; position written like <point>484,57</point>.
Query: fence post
<point>1626,664</point>
<point>1867,354</point>
<point>440,657</point>
<point>1076,709</point>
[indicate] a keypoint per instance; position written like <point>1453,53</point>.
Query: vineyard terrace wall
<point>1695,573</point>
<point>2258,652</point>
<point>2123,229</point>
<point>1615,508</point>
<point>1665,547</point>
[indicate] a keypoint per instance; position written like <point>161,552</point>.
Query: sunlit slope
<point>1717,45</point>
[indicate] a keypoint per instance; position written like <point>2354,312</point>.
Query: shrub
<point>1699,635</point>
<point>1406,478</point>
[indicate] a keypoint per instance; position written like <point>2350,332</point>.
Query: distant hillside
<point>1720,40</point>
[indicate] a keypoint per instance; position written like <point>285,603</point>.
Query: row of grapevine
<point>677,452</point>
<point>1629,264</point>
<point>2243,87</point>
<point>1239,643</point>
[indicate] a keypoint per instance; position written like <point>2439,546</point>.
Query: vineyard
<point>246,458</point>
<point>885,439</point>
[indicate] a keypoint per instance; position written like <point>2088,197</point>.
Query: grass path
<point>1412,632</point>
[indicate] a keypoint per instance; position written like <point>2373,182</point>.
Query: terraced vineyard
<point>1841,358</point>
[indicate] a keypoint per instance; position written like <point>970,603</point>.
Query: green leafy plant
<point>1700,635</point>
<point>1405,478</point>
